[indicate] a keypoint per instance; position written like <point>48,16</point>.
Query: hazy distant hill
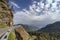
<point>55,27</point>
<point>28,28</point>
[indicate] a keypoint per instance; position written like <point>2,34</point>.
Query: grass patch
<point>11,36</point>
<point>2,24</point>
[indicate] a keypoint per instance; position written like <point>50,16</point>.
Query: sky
<point>38,13</point>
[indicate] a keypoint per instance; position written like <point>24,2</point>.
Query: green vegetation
<point>45,35</point>
<point>11,36</point>
<point>2,24</point>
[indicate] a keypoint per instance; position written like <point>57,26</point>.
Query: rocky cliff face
<point>6,15</point>
<point>6,20</point>
<point>21,34</point>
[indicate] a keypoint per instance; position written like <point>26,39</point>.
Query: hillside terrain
<point>25,32</point>
<point>28,28</point>
<point>21,34</point>
<point>49,32</point>
<point>55,27</point>
<point>6,15</point>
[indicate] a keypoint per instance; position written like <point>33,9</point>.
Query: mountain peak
<point>55,27</point>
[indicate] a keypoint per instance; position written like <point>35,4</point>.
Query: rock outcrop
<point>22,34</point>
<point>6,20</point>
<point>6,15</point>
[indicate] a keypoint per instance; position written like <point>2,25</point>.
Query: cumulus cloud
<point>41,4</point>
<point>49,1</point>
<point>38,15</point>
<point>57,0</point>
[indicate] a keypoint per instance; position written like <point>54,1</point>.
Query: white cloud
<point>27,18</point>
<point>41,5</point>
<point>34,2</point>
<point>54,5</point>
<point>30,16</point>
<point>47,5</point>
<point>14,4</point>
<point>49,1</point>
<point>57,0</point>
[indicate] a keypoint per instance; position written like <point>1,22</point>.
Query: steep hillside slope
<point>55,27</point>
<point>21,34</point>
<point>28,28</point>
<point>6,15</point>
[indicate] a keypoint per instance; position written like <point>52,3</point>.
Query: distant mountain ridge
<point>55,27</point>
<point>28,28</point>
